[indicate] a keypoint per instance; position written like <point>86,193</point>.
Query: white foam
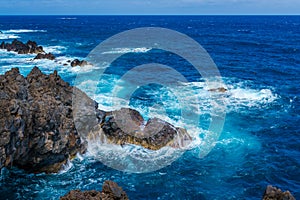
<point>132,158</point>
<point>242,97</point>
<point>4,36</point>
<point>23,31</point>
<point>80,156</point>
<point>67,18</point>
<point>127,50</point>
<point>66,167</point>
<point>54,49</point>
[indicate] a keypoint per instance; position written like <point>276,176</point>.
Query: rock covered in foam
<point>273,193</point>
<point>37,132</point>
<point>110,191</point>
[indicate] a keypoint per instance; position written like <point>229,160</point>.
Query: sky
<point>149,7</point>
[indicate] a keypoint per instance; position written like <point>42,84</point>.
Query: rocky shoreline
<point>31,47</point>
<point>38,133</point>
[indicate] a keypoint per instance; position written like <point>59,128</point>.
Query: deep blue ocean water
<point>258,58</point>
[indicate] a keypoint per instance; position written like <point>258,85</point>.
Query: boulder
<point>110,191</point>
<point>48,56</point>
<point>273,193</point>
<point>37,131</point>
<point>80,63</point>
<point>127,126</point>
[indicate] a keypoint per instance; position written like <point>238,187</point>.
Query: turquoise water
<point>258,58</point>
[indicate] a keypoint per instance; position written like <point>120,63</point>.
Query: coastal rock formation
<point>37,132</point>
<point>22,48</point>
<point>127,126</point>
<point>110,191</point>
<point>37,128</point>
<point>273,193</point>
<point>48,56</point>
<point>80,63</point>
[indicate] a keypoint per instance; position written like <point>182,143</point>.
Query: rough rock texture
<point>48,56</point>
<point>273,193</point>
<point>77,62</point>
<point>22,48</point>
<point>127,126</point>
<point>110,191</point>
<point>37,132</point>
<point>37,128</point>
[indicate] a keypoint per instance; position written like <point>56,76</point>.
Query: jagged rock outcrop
<point>22,48</point>
<point>273,193</point>
<point>48,56</point>
<point>127,126</point>
<point>110,191</point>
<point>37,132</point>
<point>80,63</point>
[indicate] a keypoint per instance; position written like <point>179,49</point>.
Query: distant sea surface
<point>259,60</point>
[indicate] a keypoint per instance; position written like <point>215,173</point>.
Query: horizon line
<point>149,14</point>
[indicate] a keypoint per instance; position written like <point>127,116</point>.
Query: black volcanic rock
<point>48,56</point>
<point>110,191</point>
<point>37,132</point>
<point>77,62</point>
<point>37,128</point>
<point>22,48</point>
<point>273,193</point>
<point>127,126</point>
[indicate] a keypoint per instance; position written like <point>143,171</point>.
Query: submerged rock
<point>22,48</point>
<point>37,131</point>
<point>220,89</point>
<point>273,193</point>
<point>110,191</point>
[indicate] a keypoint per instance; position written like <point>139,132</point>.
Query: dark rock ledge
<point>22,48</point>
<point>110,191</point>
<point>153,134</point>
<point>30,47</point>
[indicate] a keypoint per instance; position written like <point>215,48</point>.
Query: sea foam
<point>127,50</point>
<point>23,31</point>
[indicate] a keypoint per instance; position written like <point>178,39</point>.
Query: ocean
<point>258,58</point>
